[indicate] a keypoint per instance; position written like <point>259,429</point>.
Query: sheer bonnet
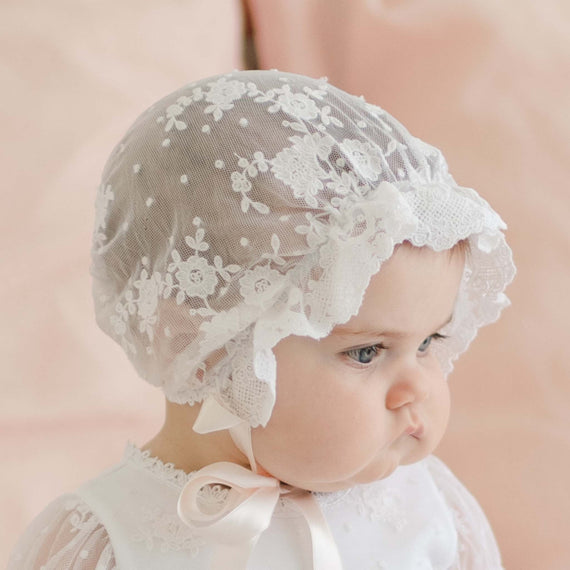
<point>250,206</point>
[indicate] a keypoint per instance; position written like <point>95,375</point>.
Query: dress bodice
<point>420,517</point>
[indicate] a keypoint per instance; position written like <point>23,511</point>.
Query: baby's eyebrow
<point>343,330</point>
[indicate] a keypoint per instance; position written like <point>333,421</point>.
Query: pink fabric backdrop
<point>486,81</point>
<point>489,83</point>
<point>74,74</point>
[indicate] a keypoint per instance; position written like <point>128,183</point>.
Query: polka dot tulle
<point>250,206</point>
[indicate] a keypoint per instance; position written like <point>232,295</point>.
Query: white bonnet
<point>250,206</point>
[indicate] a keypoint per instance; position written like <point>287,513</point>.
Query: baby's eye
<point>427,341</point>
<point>364,355</point>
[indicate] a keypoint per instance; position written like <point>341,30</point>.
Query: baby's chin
<point>368,475</point>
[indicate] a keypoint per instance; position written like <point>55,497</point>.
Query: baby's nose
<point>409,386</point>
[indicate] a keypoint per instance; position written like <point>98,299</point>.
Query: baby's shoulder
<point>126,517</point>
<point>136,501</point>
<point>66,534</point>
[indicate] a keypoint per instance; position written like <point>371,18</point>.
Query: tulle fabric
<point>251,206</point>
<point>68,536</point>
<point>477,548</point>
<point>65,536</point>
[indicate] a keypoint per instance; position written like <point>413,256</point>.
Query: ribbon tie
<point>237,524</point>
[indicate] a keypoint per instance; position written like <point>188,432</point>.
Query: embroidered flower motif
<point>81,518</point>
<point>387,506</point>
<point>196,277</point>
<point>299,168</point>
<point>298,105</point>
<point>350,225</point>
<point>240,183</point>
<point>221,95</point>
<point>172,112</point>
<point>258,286</point>
<point>212,498</point>
<point>344,183</point>
<point>163,530</point>
<point>300,171</point>
<point>317,143</point>
<point>364,157</point>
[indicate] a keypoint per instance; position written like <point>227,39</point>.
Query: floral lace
<point>69,536</point>
<point>377,505</point>
<point>165,531</point>
<point>211,497</point>
<point>385,506</point>
<point>65,536</point>
<point>166,472</point>
<point>251,206</point>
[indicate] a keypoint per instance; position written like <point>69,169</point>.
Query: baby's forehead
<point>414,289</point>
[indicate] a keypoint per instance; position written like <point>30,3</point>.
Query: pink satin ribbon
<point>247,512</point>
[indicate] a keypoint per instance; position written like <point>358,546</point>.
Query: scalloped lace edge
<point>166,472</point>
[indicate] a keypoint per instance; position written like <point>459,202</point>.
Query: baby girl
<point>297,273</point>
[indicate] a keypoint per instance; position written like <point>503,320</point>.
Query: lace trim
<point>166,472</point>
<point>377,505</point>
<point>356,188</point>
<point>329,500</point>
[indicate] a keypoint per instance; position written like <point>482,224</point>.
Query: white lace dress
<point>420,517</point>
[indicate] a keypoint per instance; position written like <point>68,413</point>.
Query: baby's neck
<point>179,444</point>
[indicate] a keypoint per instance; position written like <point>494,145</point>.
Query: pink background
<point>488,82</point>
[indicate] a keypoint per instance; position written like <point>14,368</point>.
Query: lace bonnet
<point>250,206</point>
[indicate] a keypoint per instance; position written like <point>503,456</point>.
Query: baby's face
<point>371,396</point>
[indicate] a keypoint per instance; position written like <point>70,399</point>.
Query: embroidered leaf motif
<point>275,243</point>
<point>261,208</point>
<point>197,244</point>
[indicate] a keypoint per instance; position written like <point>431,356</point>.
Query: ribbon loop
<point>243,515</point>
<point>245,512</point>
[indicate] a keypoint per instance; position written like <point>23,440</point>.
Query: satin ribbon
<point>247,513</point>
<point>214,417</point>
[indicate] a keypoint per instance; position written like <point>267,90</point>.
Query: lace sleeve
<point>477,548</point>
<point>65,536</point>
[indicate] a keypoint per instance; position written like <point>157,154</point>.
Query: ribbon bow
<point>247,511</point>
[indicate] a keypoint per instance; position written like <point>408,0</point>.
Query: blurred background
<point>488,82</point>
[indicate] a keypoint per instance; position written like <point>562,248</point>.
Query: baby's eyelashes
<point>424,346</point>
<point>366,354</point>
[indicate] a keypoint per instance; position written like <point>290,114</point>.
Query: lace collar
<point>166,472</point>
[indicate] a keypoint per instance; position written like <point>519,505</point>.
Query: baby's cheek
<point>351,430</point>
<point>440,411</point>
<point>315,440</point>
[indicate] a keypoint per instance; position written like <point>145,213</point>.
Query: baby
<point>297,273</point>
